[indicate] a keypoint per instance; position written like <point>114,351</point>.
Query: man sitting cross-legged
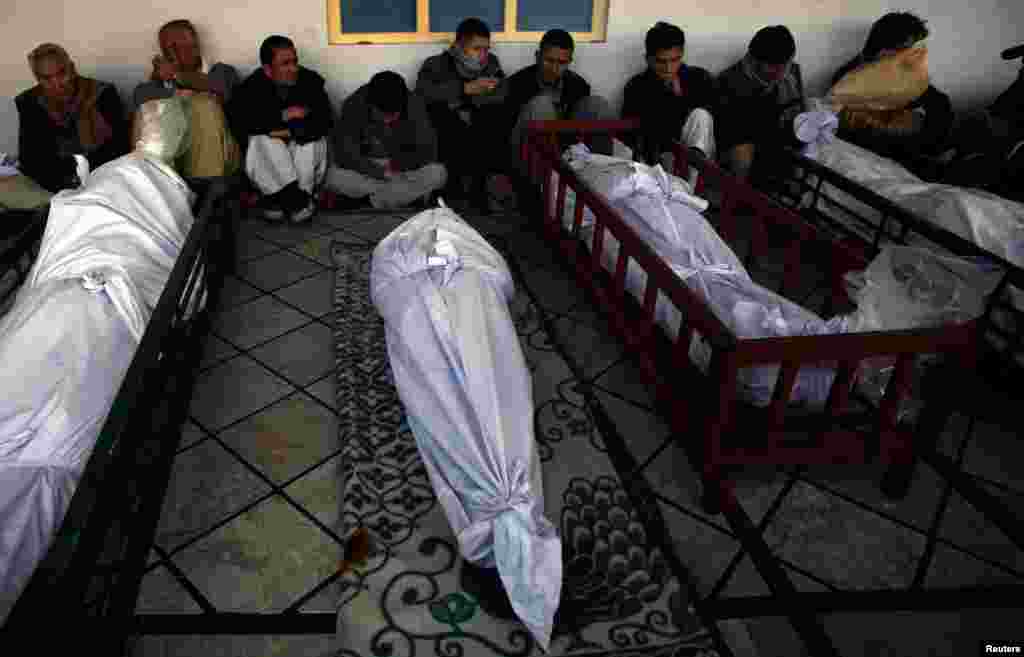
<point>282,113</point>
<point>385,146</point>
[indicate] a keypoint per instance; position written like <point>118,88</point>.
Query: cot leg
<point>713,493</point>
<point>934,419</point>
<point>896,480</point>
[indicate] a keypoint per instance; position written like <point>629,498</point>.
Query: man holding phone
<point>464,88</point>
<point>180,70</point>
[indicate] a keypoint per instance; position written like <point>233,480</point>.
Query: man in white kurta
<point>282,113</point>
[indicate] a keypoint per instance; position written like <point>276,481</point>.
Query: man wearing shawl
<point>760,95</point>
<point>64,115</point>
<point>464,88</point>
<point>923,127</point>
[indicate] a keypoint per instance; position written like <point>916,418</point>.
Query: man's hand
<point>164,69</point>
<point>295,112</point>
<point>185,93</point>
<point>283,133</point>
<point>676,86</point>
<point>480,86</point>
<point>389,169</point>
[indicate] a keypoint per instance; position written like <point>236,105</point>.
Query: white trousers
<point>274,163</point>
<point>698,132</point>
<point>398,191</point>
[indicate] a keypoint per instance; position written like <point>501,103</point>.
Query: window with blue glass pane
<point>544,15</point>
<point>369,16</point>
<point>445,15</point>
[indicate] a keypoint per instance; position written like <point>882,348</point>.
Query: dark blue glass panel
<point>544,15</point>
<point>445,15</point>
<point>365,16</point>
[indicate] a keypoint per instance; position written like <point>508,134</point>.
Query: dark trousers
<point>475,150</point>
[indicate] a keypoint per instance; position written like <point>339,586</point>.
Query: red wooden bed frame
<point>706,408</point>
<point>714,417</point>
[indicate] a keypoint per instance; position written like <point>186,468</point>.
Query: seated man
<point>672,101</point>
<point>282,115</point>
<point>549,91</point>
<point>932,112</point>
<point>989,144</point>
<point>759,96</point>
<point>386,148</point>
<point>62,116</point>
<point>180,70</point>
<point>464,88</point>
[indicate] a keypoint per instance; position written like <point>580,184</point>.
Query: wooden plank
<point>619,281</point>
<point>781,393</point>
<point>839,393</point>
<point>577,219</point>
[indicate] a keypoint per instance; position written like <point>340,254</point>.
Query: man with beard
<point>64,115</point>
<point>181,70</point>
<point>282,114</point>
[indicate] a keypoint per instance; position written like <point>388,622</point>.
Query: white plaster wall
<point>115,40</point>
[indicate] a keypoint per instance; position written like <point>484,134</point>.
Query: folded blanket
<point>890,83</point>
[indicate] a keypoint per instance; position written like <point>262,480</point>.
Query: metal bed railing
<point>810,187</point>
<point>91,575</point>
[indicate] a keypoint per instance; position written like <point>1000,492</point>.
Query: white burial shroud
<point>443,292</point>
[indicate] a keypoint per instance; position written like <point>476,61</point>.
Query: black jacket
<point>410,142</point>
<point>661,112</point>
<point>938,121</point>
<point>256,108</point>
<point>752,113</point>
<point>442,87</point>
<point>39,154</point>
<point>525,84</point>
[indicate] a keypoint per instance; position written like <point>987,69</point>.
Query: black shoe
<point>269,207</point>
<point>484,584</point>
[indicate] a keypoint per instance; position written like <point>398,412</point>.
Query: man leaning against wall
<point>181,70</point>
<point>63,115</point>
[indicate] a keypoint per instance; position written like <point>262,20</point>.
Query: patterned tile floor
<point>255,480</point>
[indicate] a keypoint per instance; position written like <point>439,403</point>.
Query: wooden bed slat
<point>781,394</point>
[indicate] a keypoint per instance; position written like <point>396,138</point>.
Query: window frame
<point>337,36</point>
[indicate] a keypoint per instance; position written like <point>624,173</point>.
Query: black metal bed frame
<point>19,250</point>
<point>800,187</point>
<point>89,580</point>
<point>803,609</point>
